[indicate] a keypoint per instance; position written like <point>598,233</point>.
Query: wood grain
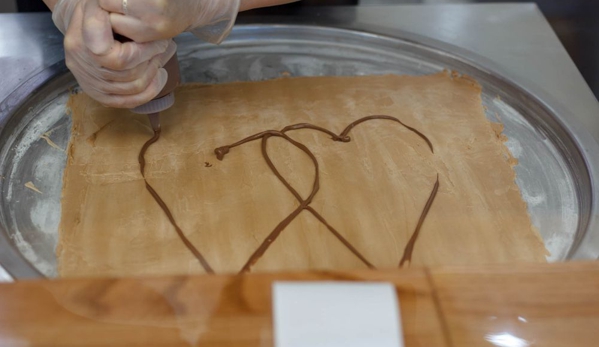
<point>547,306</point>
<point>534,305</point>
<point>182,311</point>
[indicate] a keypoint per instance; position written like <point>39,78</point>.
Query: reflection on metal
<point>506,340</point>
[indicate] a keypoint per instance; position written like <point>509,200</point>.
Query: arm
<point>252,4</point>
<point>50,4</point>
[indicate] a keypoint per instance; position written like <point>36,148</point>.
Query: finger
<point>97,31</point>
<point>132,87</point>
<point>131,101</point>
<point>158,61</point>
<point>131,27</point>
<point>134,73</point>
<point>168,54</point>
<point>113,6</point>
<point>139,8</point>
<point>143,29</point>
<point>123,75</point>
<point>127,55</point>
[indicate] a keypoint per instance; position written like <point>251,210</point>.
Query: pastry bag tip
<point>155,121</point>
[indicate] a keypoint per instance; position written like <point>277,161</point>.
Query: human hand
<point>123,75</point>
<point>150,20</point>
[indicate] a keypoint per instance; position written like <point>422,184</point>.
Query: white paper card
<point>336,314</point>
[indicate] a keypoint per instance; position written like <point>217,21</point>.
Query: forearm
<point>50,4</point>
<point>251,4</point>
<point>245,4</point>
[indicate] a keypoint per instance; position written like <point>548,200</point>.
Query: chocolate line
<point>407,254</point>
<point>164,207</point>
<point>300,126</point>
<point>345,132</point>
<point>304,204</point>
<point>221,152</point>
<point>340,237</point>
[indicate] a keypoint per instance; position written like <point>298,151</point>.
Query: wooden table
<point>505,306</point>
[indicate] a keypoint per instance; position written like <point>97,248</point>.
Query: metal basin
<point>558,160</point>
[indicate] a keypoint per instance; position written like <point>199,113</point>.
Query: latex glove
<point>149,20</point>
<point>116,74</point>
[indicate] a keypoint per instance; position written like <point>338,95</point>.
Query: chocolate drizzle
<point>407,253</point>
<point>304,204</point>
<point>164,207</point>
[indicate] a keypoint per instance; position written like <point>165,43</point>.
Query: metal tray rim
<point>584,141</point>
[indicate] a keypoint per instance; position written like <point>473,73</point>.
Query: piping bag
<point>166,98</point>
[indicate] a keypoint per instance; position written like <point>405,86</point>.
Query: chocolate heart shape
<point>304,204</point>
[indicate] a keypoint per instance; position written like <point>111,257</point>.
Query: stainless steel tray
<point>554,174</point>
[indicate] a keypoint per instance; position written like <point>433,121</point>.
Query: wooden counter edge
<point>542,304</point>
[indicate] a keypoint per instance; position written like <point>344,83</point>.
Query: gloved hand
<point>149,20</point>
<point>116,74</point>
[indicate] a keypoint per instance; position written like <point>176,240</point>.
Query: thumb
<point>97,31</point>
